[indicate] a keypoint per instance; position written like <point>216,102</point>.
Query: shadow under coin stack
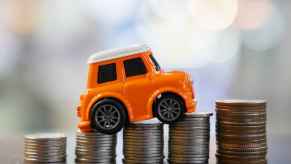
<point>95,147</point>
<point>143,143</point>
<point>45,148</point>
<point>241,132</point>
<point>189,139</point>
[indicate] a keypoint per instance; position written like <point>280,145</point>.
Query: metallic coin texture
<point>241,131</point>
<point>143,143</point>
<point>45,148</point>
<point>95,147</point>
<point>189,139</point>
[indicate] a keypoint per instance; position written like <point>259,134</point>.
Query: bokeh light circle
<point>268,35</point>
<point>214,14</point>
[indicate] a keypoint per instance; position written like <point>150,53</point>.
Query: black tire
<point>171,104</point>
<point>108,116</point>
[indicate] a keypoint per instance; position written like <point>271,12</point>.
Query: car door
<point>137,87</point>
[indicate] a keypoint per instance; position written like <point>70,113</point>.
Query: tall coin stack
<point>143,143</point>
<point>189,139</point>
<point>241,132</point>
<point>45,148</point>
<point>95,147</point>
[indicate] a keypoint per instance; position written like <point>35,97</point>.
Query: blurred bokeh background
<point>232,48</point>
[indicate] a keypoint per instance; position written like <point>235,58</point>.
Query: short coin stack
<point>189,139</point>
<point>143,143</point>
<point>45,148</point>
<point>241,131</point>
<point>95,147</point>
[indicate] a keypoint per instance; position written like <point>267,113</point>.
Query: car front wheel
<point>169,109</point>
<point>108,116</point>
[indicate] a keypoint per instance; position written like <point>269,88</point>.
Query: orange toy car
<point>129,85</point>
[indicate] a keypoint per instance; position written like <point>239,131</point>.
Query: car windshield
<point>157,66</point>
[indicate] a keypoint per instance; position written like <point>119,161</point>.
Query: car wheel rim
<point>169,109</point>
<point>107,117</point>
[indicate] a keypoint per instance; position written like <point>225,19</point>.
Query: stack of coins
<point>189,139</point>
<point>95,147</point>
<point>241,131</point>
<point>45,148</point>
<point>143,143</point>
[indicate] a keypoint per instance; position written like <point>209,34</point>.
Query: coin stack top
<point>189,139</point>
<point>241,131</point>
<point>95,147</point>
<point>45,147</point>
<point>143,143</point>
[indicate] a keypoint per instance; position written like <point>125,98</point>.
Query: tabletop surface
<point>11,149</point>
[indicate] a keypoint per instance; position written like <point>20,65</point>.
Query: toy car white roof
<point>117,53</point>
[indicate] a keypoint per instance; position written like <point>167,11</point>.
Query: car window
<point>107,73</point>
<point>134,67</point>
<point>157,66</point>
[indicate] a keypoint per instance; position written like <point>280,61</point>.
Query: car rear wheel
<point>108,116</point>
<point>169,109</point>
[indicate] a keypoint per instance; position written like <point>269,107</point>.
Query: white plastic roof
<point>117,53</point>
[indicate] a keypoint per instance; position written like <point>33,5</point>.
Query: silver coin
<point>39,159</point>
<point>226,114</point>
<point>95,147</point>
<point>143,143</point>
<point>190,123</point>
<point>45,156</point>
<point>143,156</point>
<point>45,136</point>
<point>178,134</point>
<point>187,126</point>
<point>237,156</point>
<point>96,139</point>
<point>45,147</point>
<point>193,151</point>
<point>82,151</point>
<point>90,160</point>
<point>94,158</point>
<point>97,156</point>
<point>189,139</point>
<point>143,160</point>
<point>140,150</point>
<point>44,152</point>
<point>240,102</point>
<point>188,160</point>
<point>96,144</point>
<point>145,133</point>
<point>188,157</point>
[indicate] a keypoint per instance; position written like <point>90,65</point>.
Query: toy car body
<point>129,85</point>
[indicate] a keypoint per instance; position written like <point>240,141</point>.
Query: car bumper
<point>78,111</point>
<point>191,106</point>
<point>84,126</point>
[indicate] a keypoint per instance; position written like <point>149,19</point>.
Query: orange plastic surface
<point>137,93</point>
